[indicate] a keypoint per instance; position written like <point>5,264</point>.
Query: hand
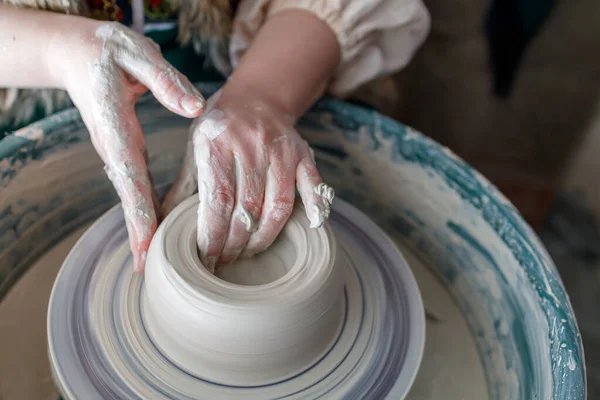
<point>105,71</point>
<point>246,158</point>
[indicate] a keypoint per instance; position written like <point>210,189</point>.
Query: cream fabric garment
<point>377,37</point>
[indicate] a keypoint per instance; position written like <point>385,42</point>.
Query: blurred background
<point>513,87</point>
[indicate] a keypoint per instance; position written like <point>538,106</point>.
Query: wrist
<point>265,93</point>
<point>289,63</point>
<point>68,47</point>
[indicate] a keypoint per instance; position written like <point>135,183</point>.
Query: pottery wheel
<point>104,344</point>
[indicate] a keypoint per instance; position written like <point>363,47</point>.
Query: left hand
<point>246,158</point>
<point>105,68</point>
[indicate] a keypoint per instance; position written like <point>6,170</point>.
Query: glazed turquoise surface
<point>420,193</point>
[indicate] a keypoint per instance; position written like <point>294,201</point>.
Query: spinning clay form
<point>240,334</point>
<point>329,313</point>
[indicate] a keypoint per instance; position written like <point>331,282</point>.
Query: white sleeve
<point>377,37</point>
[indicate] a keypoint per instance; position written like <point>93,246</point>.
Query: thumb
<point>121,146</point>
<point>170,87</point>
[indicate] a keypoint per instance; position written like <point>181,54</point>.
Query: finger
<point>277,207</point>
<point>123,152</point>
<point>170,87</point>
<point>185,185</point>
<point>316,195</point>
<point>216,191</point>
<point>250,188</point>
<point>154,193</point>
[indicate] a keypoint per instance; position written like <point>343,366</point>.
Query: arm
<point>376,37</point>
<point>246,155</point>
<point>290,62</point>
<point>247,159</point>
<point>105,68</point>
<point>25,39</point>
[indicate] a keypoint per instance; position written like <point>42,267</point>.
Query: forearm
<point>290,62</point>
<point>27,41</point>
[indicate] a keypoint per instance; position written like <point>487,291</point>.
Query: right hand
<point>105,71</point>
<point>246,159</point>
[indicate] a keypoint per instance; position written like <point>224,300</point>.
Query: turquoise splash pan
<point>424,197</point>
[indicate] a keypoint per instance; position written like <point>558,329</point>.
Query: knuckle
<point>310,167</point>
<point>162,74</point>
<point>152,44</point>
<point>205,152</point>
<point>263,138</point>
<point>281,209</point>
<point>306,153</point>
<point>111,28</point>
<point>300,141</point>
<point>165,78</point>
<point>223,198</point>
<point>252,205</point>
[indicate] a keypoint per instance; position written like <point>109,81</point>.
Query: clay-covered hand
<point>105,75</point>
<point>246,159</point>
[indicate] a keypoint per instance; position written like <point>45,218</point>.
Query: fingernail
<point>192,103</point>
